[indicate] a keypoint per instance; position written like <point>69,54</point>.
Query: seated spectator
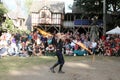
<point>23,53</point>
<point>49,40</point>
<point>36,50</point>
<point>116,50</point>
<point>11,51</point>
<point>99,50</point>
<point>93,46</point>
<point>118,53</point>
<point>3,51</point>
<point>42,48</point>
<point>68,49</point>
<point>13,45</point>
<point>30,49</point>
<point>50,48</point>
<point>79,51</point>
<point>108,51</point>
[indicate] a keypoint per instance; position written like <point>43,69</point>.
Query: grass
<point>14,63</point>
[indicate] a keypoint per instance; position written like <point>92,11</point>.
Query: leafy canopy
<point>97,5</point>
<point>3,10</point>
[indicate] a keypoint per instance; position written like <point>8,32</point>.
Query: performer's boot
<point>60,69</point>
<point>52,68</point>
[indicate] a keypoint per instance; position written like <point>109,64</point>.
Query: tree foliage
<point>8,25</point>
<point>114,8</point>
<point>113,5</point>
<point>97,5</point>
<point>90,6</point>
<point>3,10</point>
<point>28,4</point>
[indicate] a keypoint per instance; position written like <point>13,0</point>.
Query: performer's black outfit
<point>60,57</point>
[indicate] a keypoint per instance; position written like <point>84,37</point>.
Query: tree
<point>97,5</point>
<point>113,5</point>
<point>3,10</point>
<point>8,25</point>
<point>114,8</point>
<point>93,8</point>
<point>28,4</point>
<point>90,6</point>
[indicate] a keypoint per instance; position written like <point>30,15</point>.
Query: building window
<point>45,16</point>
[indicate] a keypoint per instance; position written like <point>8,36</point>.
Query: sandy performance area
<point>105,69</point>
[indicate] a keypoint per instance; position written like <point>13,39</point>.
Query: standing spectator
<point>30,36</point>
<point>35,36</point>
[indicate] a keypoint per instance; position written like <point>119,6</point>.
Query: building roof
<point>16,14</point>
<point>54,6</point>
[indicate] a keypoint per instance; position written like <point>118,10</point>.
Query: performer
<point>60,57</point>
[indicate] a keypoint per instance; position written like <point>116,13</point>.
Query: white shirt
<point>94,45</point>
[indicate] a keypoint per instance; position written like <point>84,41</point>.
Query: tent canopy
<point>114,31</point>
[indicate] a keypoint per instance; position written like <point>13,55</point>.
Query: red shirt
<point>35,36</point>
<point>103,38</point>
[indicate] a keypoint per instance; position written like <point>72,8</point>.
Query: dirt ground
<point>105,69</point>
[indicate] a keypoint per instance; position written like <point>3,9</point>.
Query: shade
<point>114,31</point>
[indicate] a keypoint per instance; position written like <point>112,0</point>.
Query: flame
<point>83,46</point>
<point>44,33</point>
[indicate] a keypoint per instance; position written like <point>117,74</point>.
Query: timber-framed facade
<point>47,15</point>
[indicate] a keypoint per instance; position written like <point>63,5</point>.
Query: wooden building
<point>47,15</point>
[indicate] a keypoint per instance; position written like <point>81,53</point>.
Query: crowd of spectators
<point>35,44</point>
